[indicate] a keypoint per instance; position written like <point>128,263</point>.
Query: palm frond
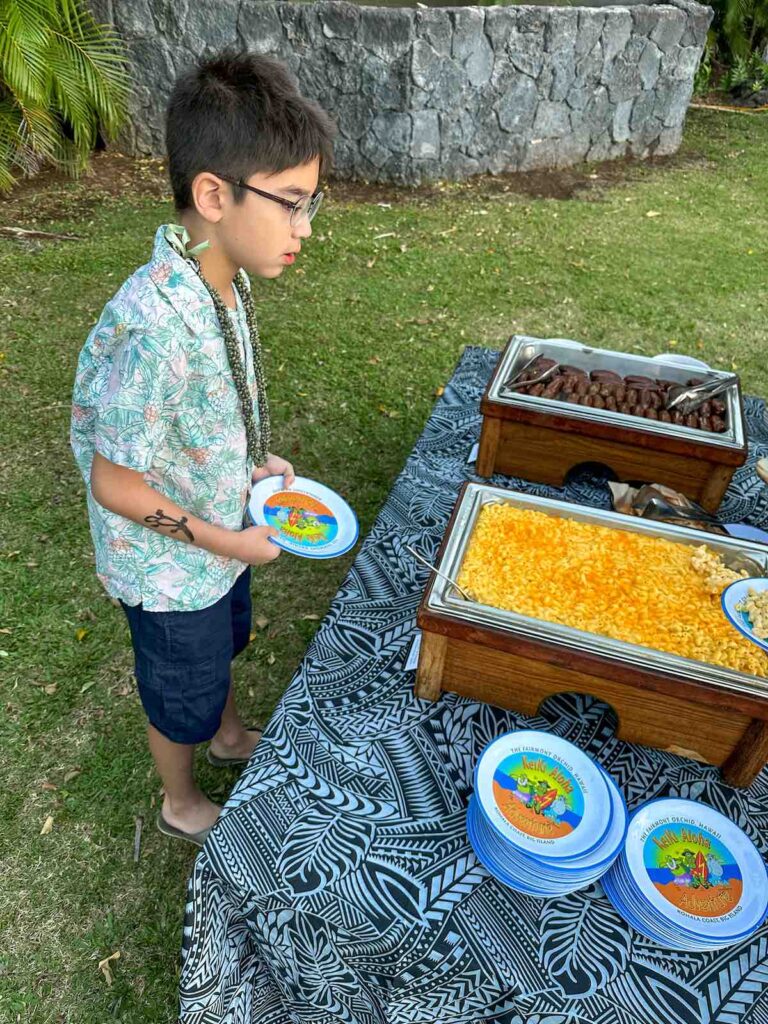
<point>13,153</point>
<point>24,39</point>
<point>63,79</point>
<point>104,81</point>
<point>28,138</point>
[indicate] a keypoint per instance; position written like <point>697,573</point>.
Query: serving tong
<point>691,398</point>
<point>438,572</point>
<point>514,382</point>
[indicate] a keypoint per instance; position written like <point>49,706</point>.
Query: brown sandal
<point>231,762</point>
<point>198,838</point>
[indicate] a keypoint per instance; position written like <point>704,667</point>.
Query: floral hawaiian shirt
<point>154,392</point>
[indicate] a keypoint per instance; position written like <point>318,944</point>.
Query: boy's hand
<point>255,547</point>
<point>275,466</point>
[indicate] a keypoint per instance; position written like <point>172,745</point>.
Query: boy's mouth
<point>288,258</point>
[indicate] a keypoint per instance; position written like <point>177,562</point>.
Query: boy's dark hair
<point>239,114</point>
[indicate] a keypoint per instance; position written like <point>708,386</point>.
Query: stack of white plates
<point>688,878</point>
<point>545,819</point>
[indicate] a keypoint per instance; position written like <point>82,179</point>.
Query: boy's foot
<point>192,822</point>
<point>221,755</point>
<point>198,838</point>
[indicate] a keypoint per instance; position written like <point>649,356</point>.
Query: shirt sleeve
<point>132,416</point>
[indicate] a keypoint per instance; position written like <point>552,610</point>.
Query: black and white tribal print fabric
<point>339,884</point>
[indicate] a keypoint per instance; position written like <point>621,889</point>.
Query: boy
<point>170,422</point>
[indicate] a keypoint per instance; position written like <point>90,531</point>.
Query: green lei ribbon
<point>178,236</point>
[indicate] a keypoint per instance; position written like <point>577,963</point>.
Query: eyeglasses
<point>307,206</point>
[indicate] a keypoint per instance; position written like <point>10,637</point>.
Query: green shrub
<point>746,74</point>
<point>741,27</point>
<point>703,78</point>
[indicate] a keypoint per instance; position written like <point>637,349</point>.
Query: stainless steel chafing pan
<point>522,349</point>
<point>444,599</point>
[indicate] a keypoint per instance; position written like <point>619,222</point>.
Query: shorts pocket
<point>184,673</point>
<point>185,702</point>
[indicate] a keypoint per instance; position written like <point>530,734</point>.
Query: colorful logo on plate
<point>301,518</point>
<point>692,870</point>
<point>538,795</point>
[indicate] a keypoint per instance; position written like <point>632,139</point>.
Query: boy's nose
<point>303,229</point>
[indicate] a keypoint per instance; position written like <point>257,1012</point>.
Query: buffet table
<point>339,883</point>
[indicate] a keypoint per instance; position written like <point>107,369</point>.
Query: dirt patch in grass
<point>754,102</point>
<point>52,197</point>
<point>582,181</point>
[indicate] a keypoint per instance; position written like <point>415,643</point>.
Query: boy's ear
<point>209,196</point>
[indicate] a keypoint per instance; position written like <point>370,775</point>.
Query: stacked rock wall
<point>442,92</point>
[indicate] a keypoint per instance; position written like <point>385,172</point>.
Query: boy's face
<point>257,233</point>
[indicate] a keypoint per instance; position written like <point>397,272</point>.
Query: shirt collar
<point>176,278</point>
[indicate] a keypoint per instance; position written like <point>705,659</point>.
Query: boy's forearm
<point>125,492</point>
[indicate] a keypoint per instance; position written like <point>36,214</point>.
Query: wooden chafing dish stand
<point>542,439</point>
<point>696,709</point>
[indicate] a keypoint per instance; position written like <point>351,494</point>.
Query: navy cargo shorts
<point>183,659</point>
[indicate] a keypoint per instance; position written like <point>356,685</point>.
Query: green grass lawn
<point>359,338</point>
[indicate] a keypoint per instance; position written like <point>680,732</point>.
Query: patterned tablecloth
<point>339,884</point>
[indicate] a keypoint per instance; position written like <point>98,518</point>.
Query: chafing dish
<point>710,712</point>
<point>542,439</point>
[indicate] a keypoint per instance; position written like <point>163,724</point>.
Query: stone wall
<point>442,92</point>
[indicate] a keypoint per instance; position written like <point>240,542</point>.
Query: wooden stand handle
<point>490,435</point>
<point>429,674</point>
<point>747,760</point>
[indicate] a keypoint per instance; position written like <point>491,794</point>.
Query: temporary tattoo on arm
<point>177,525</point>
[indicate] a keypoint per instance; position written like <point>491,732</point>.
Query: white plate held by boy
<point>313,520</point>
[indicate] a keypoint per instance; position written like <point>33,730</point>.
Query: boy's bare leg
<point>185,806</point>
<point>232,738</point>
